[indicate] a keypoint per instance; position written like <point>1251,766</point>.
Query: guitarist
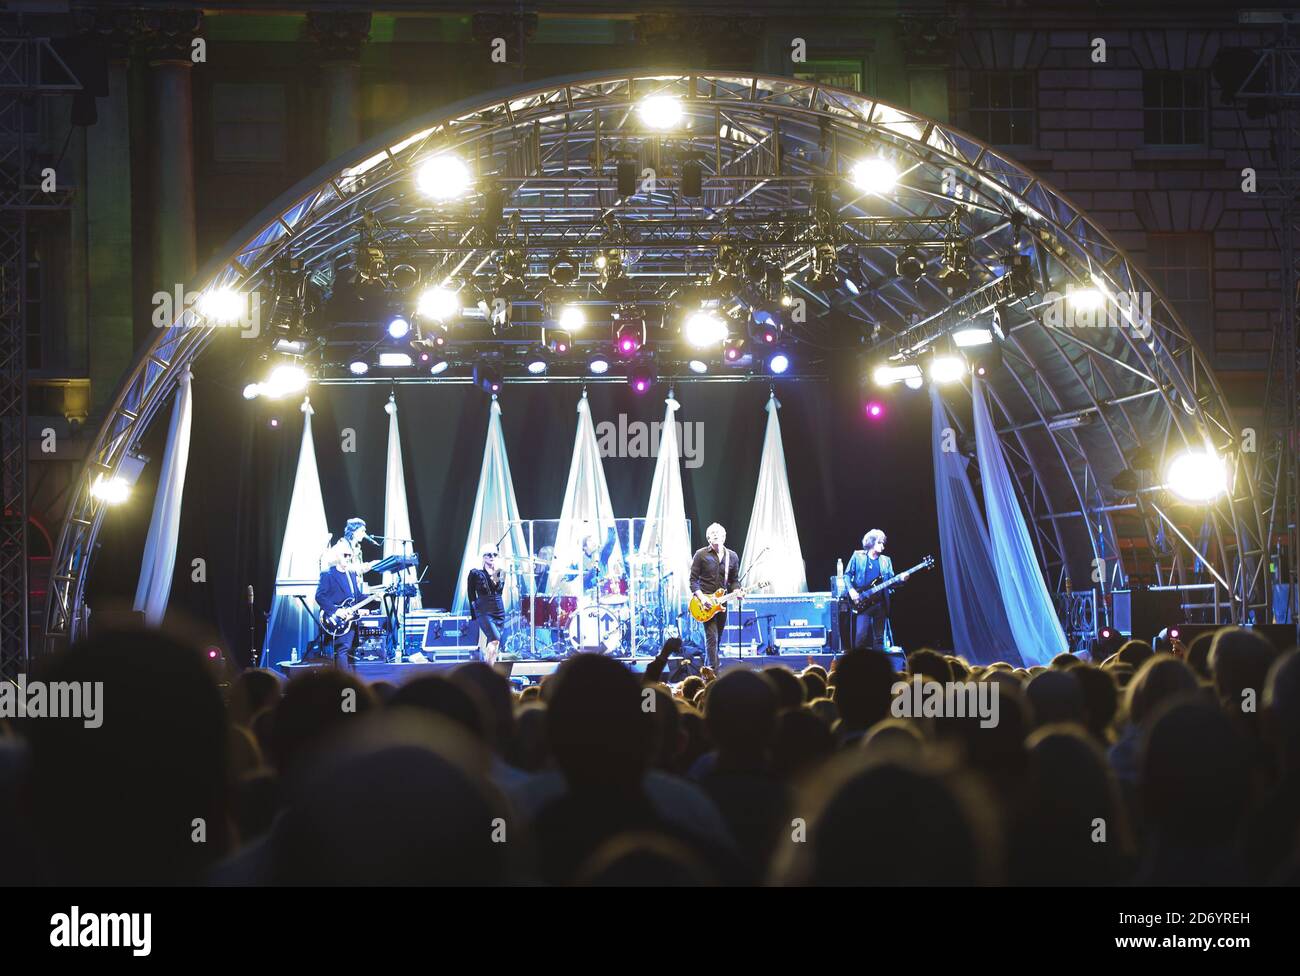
<point>715,567</point>
<point>340,585</point>
<point>868,566</point>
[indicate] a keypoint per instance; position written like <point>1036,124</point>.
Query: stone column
<point>340,36</point>
<point>168,43</point>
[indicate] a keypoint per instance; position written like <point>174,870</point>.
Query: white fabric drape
<point>496,515</point>
<point>397,518</point>
<point>587,509</point>
<point>159,562</point>
<point>1030,613</point>
<point>306,537</point>
<point>665,538</point>
<point>772,544</point>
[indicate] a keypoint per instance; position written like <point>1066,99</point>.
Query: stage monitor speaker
<point>1141,614</point>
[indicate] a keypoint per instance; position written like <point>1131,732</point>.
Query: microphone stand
<point>398,640</point>
<point>252,631</point>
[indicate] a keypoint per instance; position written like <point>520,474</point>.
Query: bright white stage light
<point>572,318</point>
<point>110,491</point>
<point>1197,476</point>
<point>1085,299</point>
<point>398,327</point>
<point>223,305</point>
<point>599,366</point>
<point>439,367</point>
<point>252,391</point>
<point>972,337</point>
<point>394,359</point>
<point>704,329</point>
<point>439,303</point>
<point>537,367</point>
<point>779,363</point>
<point>947,369</point>
<point>443,177</point>
<point>874,175</point>
<point>885,375</point>
<point>914,382</point>
<point>660,111</point>
<point>699,366</point>
<point>359,367</point>
<point>284,380</point>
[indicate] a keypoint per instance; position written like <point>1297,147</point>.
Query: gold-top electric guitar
<point>717,602</point>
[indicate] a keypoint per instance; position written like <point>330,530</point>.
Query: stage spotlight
<point>887,374</point>
<point>698,366</point>
<point>252,391</point>
<point>629,333</point>
<point>910,265</point>
<point>359,367</point>
<point>394,360</point>
<point>609,265</point>
<point>223,305</point>
<point>572,318</point>
<point>825,267</point>
<point>947,368</point>
<point>539,361</point>
<point>563,269</point>
<point>874,175</point>
<point>403,277</point>
<point>875,410</point>
<point>398,327</point>
<point>1084,299</point>
<point>439,367</point>
<point>284,380</point>
<point>778,363</point>
<point>599,365</point>
<point>765,328</point>
<point>558,341</point>
<point>110,491</point>
<point>964,338</point>
<point>444,177</point>
<point>439,304</point>
<point>642,375</point>
<point>733,351</point>
<point>1197,476</point>
<point>914,382</point>
<point>660,111</point>
<point>487,378</point>
<point>985,358</point>
<point>954,280</point>
<point>704,328</point>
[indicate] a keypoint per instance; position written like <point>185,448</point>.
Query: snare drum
<point>596,629</point>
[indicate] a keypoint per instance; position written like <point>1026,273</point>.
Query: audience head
<point>864,682</point>
<point>740,712</point>
<point>1239,661</point>
<point>599,733</point>
<point>1056,697</point>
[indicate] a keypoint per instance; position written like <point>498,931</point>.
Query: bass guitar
<point>878,590</point>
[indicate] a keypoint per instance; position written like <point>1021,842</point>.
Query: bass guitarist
<point>870,565</point>
<point>340,585</point>
<point>714,568</point>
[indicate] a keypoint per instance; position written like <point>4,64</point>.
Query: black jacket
<point>709,573</point>
<point>335,589</point>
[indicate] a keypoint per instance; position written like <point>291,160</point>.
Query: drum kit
<point>624,614</point>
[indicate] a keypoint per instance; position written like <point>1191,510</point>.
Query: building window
<point>1180,265</point>
<point>1002,107</point>
<point>833,74</point>
<point>1174,107</point>
<point>248,122</point>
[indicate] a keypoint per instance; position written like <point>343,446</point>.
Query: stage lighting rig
<point>629,331</point>
<point>953,278</point>
<point>660,112</point>
<point>825,267</point>
<point>563,269</point>
<point>1197,475</point>
<point>558,341</point>
<point>539,361</point>
<point>512,272</point>
<point>404,277</point>
<point>765,326</point>
<point>571,317</point>
<point>734,352</point>
<point>778,362</point>
<point>874,175</point>
<point>910,265</point>
<point>487,377</point>
<point>704,327</point>
<point>441,304</point>
<point>444,177</point>
<point>641,374</point>
<point>611,273</point>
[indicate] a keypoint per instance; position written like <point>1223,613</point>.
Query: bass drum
<point>595,629</point>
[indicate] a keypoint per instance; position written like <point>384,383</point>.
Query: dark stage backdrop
<point>847,474</point>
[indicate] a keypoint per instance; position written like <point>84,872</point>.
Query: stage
<point>531,672</point>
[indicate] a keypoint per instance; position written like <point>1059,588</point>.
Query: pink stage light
<point>875,410</point>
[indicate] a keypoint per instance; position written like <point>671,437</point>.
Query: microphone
<point>250,594</point>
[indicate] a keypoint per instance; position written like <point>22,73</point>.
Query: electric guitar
<point>878,590</point>
<point>717,601</point>
<point>339,622</point>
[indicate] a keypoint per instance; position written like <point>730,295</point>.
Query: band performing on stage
<point>604,597</point>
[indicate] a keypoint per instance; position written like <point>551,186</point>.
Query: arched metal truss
<point>1074,400</point>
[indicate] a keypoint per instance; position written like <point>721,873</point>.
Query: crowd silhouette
<point>1146,768</point>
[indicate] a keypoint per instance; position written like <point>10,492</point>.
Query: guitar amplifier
<point>807,637</point>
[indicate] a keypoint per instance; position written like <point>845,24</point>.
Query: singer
<point>484,588</point>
